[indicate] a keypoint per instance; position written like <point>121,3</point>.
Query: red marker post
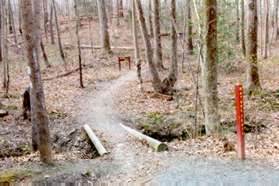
<point>240,121</point>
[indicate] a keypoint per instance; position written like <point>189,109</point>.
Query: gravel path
<point>131,161</point>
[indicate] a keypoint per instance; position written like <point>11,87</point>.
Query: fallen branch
<point>68,46</point>
<point>155,144</point>
<point>95,140</point>
<point>67,73</point>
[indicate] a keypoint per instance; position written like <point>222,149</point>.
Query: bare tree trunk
<point>118,13</point>
<point>237,21</point>
<point>170,81</point>
<point>121,12</point>
<point>78,43</point>
<point>243,45</point>
<point>31,25</point>
<point>104,26</point>
<point>209,71</point>
<point>19,17</point>
<point>51,26</point>
<point>276,19</point>
<point>136,45</point>
<point>156,82</point>
<point>157,35</point>
<point>190,45</point>
<point>5,50</point>
<point>62,54</point>
<point>150,11</point>
<point>253,80</point>
<point>44,54</point>
<point>12,22</point>
<point>45,8</point>
<point>266,29</point>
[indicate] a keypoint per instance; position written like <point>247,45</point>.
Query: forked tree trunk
<point>136,45</point>
<point>103,20</point>
<point>156,82</point>
<point>31,25</point>
<point>78,44</point>
<point>158,56</point>
<point>253,80</point>
<point>243,45</point>
<point>209,70</point>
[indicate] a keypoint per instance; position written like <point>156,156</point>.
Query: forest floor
<point>112,97</point>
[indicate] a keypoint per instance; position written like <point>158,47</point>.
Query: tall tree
<point>190,45</point>
<point>276,4</point>
<point>157,35</point>
<point>209,70</point>
<point>136,44</point>
<point>266,29</point>
<point>156,82</point>
<point>31,25</point>
<point>150,12</point>
<point>5,51</point>
<point>243,45</point>
<point>253,80</point>
<point>103,20</point>
<point>62,54</point>
<point>78,43</point>
<point>237,21</point>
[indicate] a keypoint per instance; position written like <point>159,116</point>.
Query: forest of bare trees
<point>67,94</point>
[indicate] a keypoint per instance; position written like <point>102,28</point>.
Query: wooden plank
<point>95,140</point>
<point>155,144</point>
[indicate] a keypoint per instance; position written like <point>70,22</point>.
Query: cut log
<point>95,140</point>
<point>3,113</point>
<point>69,46</point>
<point>155,144</point>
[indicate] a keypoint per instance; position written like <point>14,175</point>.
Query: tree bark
<point>105,39</point>
<point>237,21</point>
<point>266,29</point>
<point>78,44</point>
<point>156,82</point>
<point>157,35</point>
<point>51,26</point>
<point>136,45</point>
<point>170,81</point>
<point>150,18</point>
<point>39,117</point>
<point>209,70</point>
<point>243,45</point>
<point>62,54</point>
<point>190,45</point>
<point>253,80</point>
<point>276,19</point>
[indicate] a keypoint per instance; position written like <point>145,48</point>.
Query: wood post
<point>124,59</point>
<point>95,140</point>
<point>155,144</point>
<point>240,121</point>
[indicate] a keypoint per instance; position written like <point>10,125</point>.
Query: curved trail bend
<point>130,161</point>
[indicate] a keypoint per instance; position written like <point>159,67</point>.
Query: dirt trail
<point>131,161</point>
